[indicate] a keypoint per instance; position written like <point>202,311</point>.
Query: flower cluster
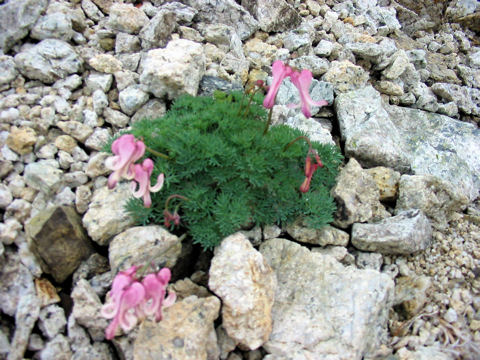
<point>130,300</point>
<point>126,151</point>
<point>310,169</point>
<point>301,80</point>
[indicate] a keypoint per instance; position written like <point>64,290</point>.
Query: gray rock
<point>125,79</point>
<point>370,135</point>
<point>80,344</point>
<point>411,293</point>
<point>357,197</point>
<point>398,66</point>
<point>43,176</point>
<point>75,129</point>
<point>244,281</point>
<point>52,321</point>
<point>157,32</point>
<point>116,118</point>
<point>144,245</point>
<point>91,10</point>
<point>314,130</point>
<point>328,235</point>
<point>209,84</point>
<point>153,109</point>
<point>387,182</point>
<point>28,309</point>
<point>65,197</point>
<point>105,63</point>
<point>5,196</point>
<point>131,99</point>
<point>294,40</point>
<point>469,75</point>
<point>437,198</point>
<point>126,43</point>
<point>324,48</point>
<point>175,338</point>
<point>9,231</point>
<point>19,209</point>
<point>86,310</point>
<point>126,18</point>
<point>406,233</point>
<point>175,70</point>
<point>17,17</point>
<point>315,64</point>
<point>7,70</point>
<point>97,81</point>
<point>226,12</point>
<point>273,16</point>
<point>365,260</point>
<point>316,289</point>
<point>345,76</point>
<point>100,101</point>
<point>467,99</point>
<point>48,61</point>
<point>106,215</point>
<point>460,8</point>
<point>16,282</point>
<point>53,26</point>
<point>57,348</point>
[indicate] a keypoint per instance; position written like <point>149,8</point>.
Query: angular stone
<point>144,245</point>
<point>175,70</point>
<point>53,26</point>
<point>106,216</point>
<point>345,76</point>
<point>17,17</point>
<point>406,233</point>
<point>86,310</point>
<point>52,321</point>
<point>21,140</point>
<point>57,238</point>
<point>324,310</point>
<point>43,176</point>
<point>131,99</point>
<point>397,67</point>
<point>46,292</point>
<point>7,69</point>
<point>175,338</point>
<point>369,134</point>
<point>387,182</point>
<point>240,276</point>
<point>57,348</point>
<point>226,12</point>
<point>153,109</point>
<point>116,118</point>
<point>105,63</point>
<point>467,99</point>
<point>49,61</point>
<point>126,18</point>
<point>75,129</point>
<point>328,235</point>
<point>411,293</point>
<point>157,32</point>
<point>273,16</point>
<point>357,196</point>
<point>437,198</point>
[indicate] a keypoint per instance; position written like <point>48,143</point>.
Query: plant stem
<point>156,153</point>
<point>295,140</point>
<point>267,125</point>
<point>173,196</point>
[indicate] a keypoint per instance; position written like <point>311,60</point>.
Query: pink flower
<point>168,217</point>
<point>126,151</point>
<point>279,72</point>
<point>155,288</point>
<point>302,81</point>
<point>310,169</point>
<point>126,294</point>
<point>142,175</point>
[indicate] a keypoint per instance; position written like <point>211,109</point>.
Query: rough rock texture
<point>328,235</point>
<point>143,245</point>
<point>240,276</point>
<point>175,70</point>
<point>49,61</point>
<point>106,215</point>
<point>406,233</point>
<point>323,309</point>
<point>175,338</point>
<point>275,15</point>
<point>357,196</point>
<point>59,241</point>
<point>17,17</point>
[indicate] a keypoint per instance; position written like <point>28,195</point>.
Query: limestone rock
<point>369,134</point>
<point>314,315</point>
<point>152,109</point>
<point>52,321</point>
<point>126,18</point>
<point>328,235</point>
<point>57,238</point>
<point>240,276</point>
<point>106,215</point>
<point>131,99</point>
<point>43,176</point>
<point>345,76</point>
<point>48,61</point>
<point>175,70</point>
<point>17,17</point>
<point>387,182</point>
<point>7,69</point>
<point>105,63</point>
<point>411,293</point>
<point>406,233</point>
<point>21,140</point>
<point>57,348</point>
<point>273,16</point>
<point>357,196</point>
<point>75,129</point>
<point>437,198</point>
<point>144,245</point>
<point>157,32</point>
<point>53,26</point>
<point>186,332</point>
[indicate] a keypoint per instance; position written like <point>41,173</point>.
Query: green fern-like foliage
<point>233,175</point>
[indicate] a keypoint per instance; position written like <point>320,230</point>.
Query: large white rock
<point>175,70</point>
<point>244,281</point>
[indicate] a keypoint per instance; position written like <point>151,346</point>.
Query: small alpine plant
<point>221,167</point>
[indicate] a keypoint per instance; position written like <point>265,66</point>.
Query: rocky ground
<point>396,276</point>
